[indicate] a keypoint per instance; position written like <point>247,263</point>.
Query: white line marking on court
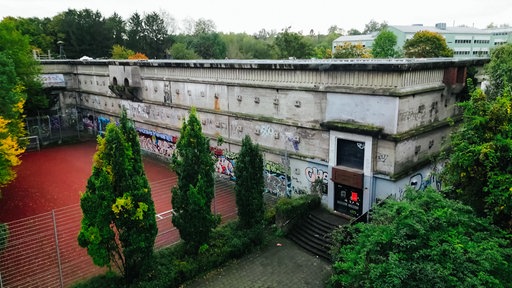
<point>165,214</point>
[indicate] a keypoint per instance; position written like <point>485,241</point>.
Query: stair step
<point>308,225</point>
<point>312,249</point>
<point>315,239</point>
<point>322,222</point>
<point>313,233</point>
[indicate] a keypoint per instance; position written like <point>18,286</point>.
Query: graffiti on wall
<point>266,131</point>
<point>382,157</point>
<point>90,121</point>
<point>102,124</point>
<point>293,141</point>
<point>225,166</point>
<point>422,180</point>
<point>277,181</point>
<point>313,173</point>
<point>224,162</point>
<point>156,142</point>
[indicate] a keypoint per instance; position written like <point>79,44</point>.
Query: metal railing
<point>43,251</point>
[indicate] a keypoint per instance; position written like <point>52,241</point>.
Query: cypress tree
<point>194,192</point>
<point>119,221</point>
<point>249,185</point>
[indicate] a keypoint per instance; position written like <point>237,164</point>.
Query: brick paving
<point>282,264</point>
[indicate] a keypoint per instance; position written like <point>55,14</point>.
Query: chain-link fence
<point>43,251</point>
<point>53,126</point>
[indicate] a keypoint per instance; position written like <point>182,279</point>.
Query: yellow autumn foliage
<point>10,150</point>
<point>122,204</point>
<point>3,125</point>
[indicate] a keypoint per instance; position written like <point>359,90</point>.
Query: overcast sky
<point>302,15</point>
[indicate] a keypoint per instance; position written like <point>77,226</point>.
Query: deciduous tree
<point>18,71</point>
<point>425,240</point>
<point>479,167</point>
<point>427,44</point>
<point>384,45</point>
<point>194,192</point>
<point>40,32</point>
<point>334,29</point>
<point>204,26</point>
<point>292,45</point>
<point>120,52</point>
<point>209,46</point>
<point>181,52</point>
<point>249,185</point>
<point>349,50</point>
<point>138,56</point>
<point>243,46</point>
<point>499,69</point>
<point>17,49</point>
<point>374,26</point>
<point>353,31</point>
<point>119,221</point>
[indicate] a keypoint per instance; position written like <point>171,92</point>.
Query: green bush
<point>425,240</point>
<point>173,266</point>
<point>296,207</point>
<point>290,210</point>
<point>269,218</point>
<point>110,279</point>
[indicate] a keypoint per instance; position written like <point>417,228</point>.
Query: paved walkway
<point>281,264</point>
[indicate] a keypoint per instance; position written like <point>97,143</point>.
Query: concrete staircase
<point>312,234</point>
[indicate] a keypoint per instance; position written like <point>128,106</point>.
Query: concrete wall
<point>366,109</point>
<point>422,109</point>
<point>283,106</point>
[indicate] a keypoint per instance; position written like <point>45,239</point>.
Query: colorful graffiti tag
<point>277,181</point>
<point>422,180</point>
<point>313,173</point>
<point>156,142</point>
<point>225,166</point>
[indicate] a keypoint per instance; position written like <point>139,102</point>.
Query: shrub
<point>291,210</point>
<point>426,240</point>
<point>173,266</point>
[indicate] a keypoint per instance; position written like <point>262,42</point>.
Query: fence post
<point>57,248</point>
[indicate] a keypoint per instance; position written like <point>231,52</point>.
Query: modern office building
<point>465,41</point>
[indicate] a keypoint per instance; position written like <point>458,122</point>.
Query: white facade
<point>464,41</point>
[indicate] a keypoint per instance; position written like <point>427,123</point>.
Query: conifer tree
<point>194,192</point>
<point>250,185</point>
<point>119,223</point>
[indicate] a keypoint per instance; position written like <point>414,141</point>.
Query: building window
<point>482,41</point>
<point>463,41</point>
<point>350,154</point>
<point>480,53</point>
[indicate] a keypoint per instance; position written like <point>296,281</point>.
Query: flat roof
<point>355,64</point>
<point>448,30</point>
